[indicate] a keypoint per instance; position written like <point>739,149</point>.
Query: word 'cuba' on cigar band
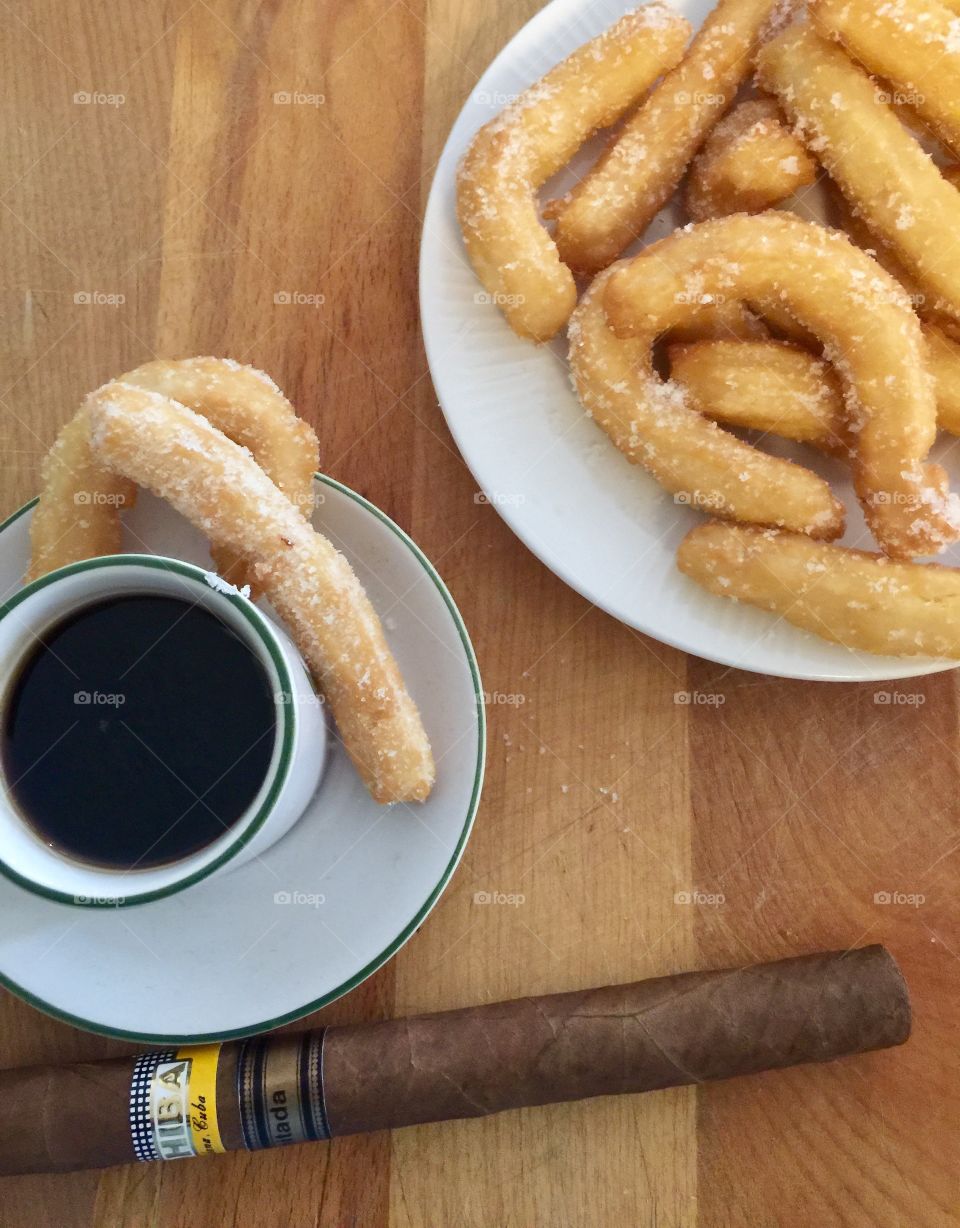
<point>280,1091</point>
<point>173,1103</point>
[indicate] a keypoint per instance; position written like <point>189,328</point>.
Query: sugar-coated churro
<point>78,515</point>
<point>914,44</point>
<point>749,162</point>
<point>784,390</point>
<point>616,201</point>
<point>515,153</point>
<point>651,423</point>
<point>770,386</point>
<point>866,602</point>
<point>709,321</point>
<point>780,322</point>
<point>943,357</point>
<point>870,334</point>
<point>890,181</point>
<point>218,487</point>
<point>250,409</point>
<point>931,308</point>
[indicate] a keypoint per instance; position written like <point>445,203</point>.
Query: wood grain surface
<point>784,808</point>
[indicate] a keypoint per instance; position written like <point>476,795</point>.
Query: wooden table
<point>188,187</point>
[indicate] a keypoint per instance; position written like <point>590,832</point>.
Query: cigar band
<point>280,1091</point>
<point>173,1103</point>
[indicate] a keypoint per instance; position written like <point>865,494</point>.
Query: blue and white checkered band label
<point>162,1118</point>
<point>142,1132</point>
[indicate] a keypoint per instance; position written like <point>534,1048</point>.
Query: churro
<point>866,602</point>
<point>749,162</point>
<point>651,423</point>
<point>870,335</point>
<point>616,201</point>
<point>78,515</point>
<point>784,390</point>
<point>769,386</point>
<point>890,182</point>
<point>931,308</point>
<point>515,153</point>
<point>783,325</point>
<point>727,320</point>
<point>913,44</point>
<point>216,484</point>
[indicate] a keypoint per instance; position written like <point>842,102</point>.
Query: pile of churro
<point>223,445</point>
<point>845,338</point>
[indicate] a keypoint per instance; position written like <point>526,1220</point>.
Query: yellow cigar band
<point>202,1097</point>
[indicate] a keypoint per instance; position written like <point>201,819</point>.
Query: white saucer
<point>602,525</point>
<point>334,899</point>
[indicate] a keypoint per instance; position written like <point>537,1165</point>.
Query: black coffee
<point>137,732</point>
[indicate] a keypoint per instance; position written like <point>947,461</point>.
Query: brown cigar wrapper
<point>653,1034</point>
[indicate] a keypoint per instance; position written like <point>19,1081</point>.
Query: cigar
<point>276,1091</point>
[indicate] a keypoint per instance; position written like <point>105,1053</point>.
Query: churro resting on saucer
<point>78,513</point>
<point>216,484</point>
<point>78,516</point>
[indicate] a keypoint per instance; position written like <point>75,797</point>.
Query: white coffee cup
<point>296,763</point>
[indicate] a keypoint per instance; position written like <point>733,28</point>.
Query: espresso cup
<point>296,761</point>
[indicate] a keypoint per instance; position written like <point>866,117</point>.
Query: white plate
<point>327,905</point>
<point>602,525</point>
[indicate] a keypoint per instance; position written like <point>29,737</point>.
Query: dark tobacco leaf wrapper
<point>466,1063</point>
